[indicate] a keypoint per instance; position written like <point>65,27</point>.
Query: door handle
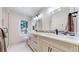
<point>48,49</point>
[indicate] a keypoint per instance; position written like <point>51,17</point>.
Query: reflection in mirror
<point>58,18</point>
<point>65,20</point>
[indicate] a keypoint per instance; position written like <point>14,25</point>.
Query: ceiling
<point>28,11</point>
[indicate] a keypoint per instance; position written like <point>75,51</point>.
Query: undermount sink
<point>54,32</point>
<point>61,34</point>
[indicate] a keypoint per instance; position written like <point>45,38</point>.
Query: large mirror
<point>58,18</point>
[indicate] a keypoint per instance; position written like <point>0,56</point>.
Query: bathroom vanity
<point>61,21</point>
<point>49,42</point>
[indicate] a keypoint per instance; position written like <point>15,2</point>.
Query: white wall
<point>32,24</point>
<point>5,23</point>
<point>46,18</point>
<point>0,16</point>
<point>14,28</point>
<point>59,19</point>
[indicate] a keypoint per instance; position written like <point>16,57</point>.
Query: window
<point>24,26</point>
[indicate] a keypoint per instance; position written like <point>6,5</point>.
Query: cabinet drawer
<point>36,41</point>
<point>64,46</point>
<point>55,49</point>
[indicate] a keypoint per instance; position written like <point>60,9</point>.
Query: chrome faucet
<point>56,31</point>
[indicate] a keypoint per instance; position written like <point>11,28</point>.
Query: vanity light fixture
<point>36,18</point>
<point>52,9</point>
<point>59,9</point>
<point>40,16</point>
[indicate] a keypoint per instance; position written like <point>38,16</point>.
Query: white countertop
<point>69,39</point>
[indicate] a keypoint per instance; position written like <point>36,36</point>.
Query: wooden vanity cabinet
<point>33,42</point>
<point>44,44</point>
<point>47,47</point>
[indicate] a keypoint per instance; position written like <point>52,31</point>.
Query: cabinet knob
<point>48,49</point>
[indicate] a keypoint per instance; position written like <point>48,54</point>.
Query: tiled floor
<point>19,47</point>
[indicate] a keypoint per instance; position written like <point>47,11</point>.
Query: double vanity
<point>55,32</point>
<point>49,42</point>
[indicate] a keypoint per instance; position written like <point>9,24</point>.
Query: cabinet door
<point>44,46</point>
<point>54,49</point>
<point>35,43</point>
<point>47,47</point>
